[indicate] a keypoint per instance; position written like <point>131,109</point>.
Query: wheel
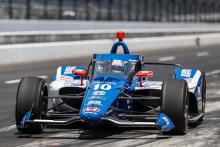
<point>203,94</point>
<point>175,104</point>
<point>30,98</point>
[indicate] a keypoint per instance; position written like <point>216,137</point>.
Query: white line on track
<point>12,81</point>
<point>168,58</point>
<point>7,128</point>
<point>211,118</point>
<point>18,80</point>
<point>214,72</point>
<point>201,54</point>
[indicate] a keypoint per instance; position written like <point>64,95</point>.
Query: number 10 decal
<point>102,86</point>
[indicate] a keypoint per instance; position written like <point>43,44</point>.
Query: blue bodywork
<point>104,89</point>
<point>26,117</point>
<point>165,122</point>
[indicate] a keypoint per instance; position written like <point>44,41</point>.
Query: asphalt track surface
<point>205,134</point>
<point>56,25</point>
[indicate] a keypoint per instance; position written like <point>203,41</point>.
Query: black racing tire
<point>30,93</point>
<point>175,105</point>
<point>203,94</point>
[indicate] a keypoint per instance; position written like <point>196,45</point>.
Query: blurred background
<point>37,36</point>
<point>123,10</point>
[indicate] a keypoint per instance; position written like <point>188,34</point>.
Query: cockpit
<point>121,65</point>
<point>121,68</point>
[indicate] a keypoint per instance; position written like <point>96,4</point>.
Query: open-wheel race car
<point>117,89</point>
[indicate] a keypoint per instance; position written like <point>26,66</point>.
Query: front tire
<point>175,104</point>
<point>203,94</point>
<point>31,91</point>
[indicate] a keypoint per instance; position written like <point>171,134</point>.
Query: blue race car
<point>117,89</point>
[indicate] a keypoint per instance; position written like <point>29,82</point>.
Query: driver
<point>118,67</point>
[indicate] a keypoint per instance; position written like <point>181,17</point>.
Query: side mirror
<point>81,73</point>
<point>146,73</point>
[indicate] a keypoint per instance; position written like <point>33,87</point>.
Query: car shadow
<point>97,132</point>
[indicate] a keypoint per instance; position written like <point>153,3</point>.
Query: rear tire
<point>30,97</point>
<point>175,105</point>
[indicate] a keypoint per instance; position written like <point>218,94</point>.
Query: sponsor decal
<point>94,103</point>
<point>186,73</point>
<point>69,69</point>
<point>97,97</point>
<point>149,85</point>
<point>101,82</point>
<point>98,93</point>
<point>91,109</point>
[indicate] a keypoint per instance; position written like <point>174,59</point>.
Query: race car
<point>116,89</point>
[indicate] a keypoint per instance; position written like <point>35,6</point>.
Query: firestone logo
<point>98,93</point>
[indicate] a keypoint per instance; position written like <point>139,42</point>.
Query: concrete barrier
<point>78,35</point>
<point>22,53</point>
